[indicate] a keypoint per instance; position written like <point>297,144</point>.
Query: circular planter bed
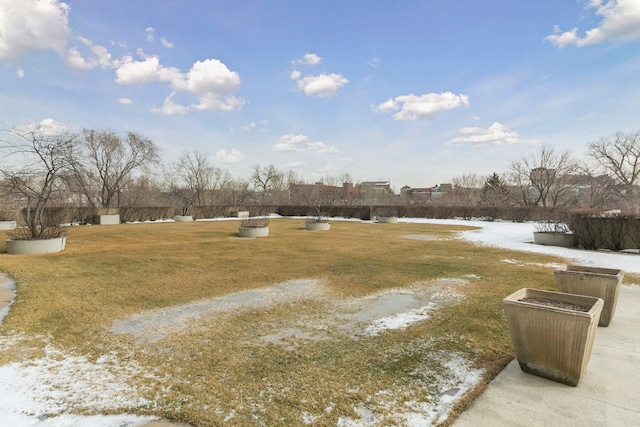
<point>183,218</point>
<point>28,247</point>
<point>317,226</point>
<point>253,232</point>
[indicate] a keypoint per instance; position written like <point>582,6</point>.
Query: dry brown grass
<point>111,272</point>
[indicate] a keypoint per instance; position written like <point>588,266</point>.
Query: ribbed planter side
<point>30,247</point>
<point>565,240</point>
<point>317,226</point>
<point>552,342</point>
<point>388,219</point>
<point>253,232</point>
<point>106,219</point>
<point>594,282</point>
<point>8,225</point>
<point>183,218</point>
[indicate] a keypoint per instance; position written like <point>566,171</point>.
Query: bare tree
<point>466,190</point>
<point>34,160</point>
<point>104,160</point>
<point>266,179</point>
<point>619,154</point>
<point>195,178</point>
<point>543,178</point>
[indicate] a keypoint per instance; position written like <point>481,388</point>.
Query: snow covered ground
<point>30,390</point>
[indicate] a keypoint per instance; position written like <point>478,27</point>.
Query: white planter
<point>8,225</point>
<point>388,219</point>
<point>240,214</point>
<point>317,226</point>
<point>253,232</point>
<point>183,218</point>
<point>29,247</point>
<point>106,219</point>
<point>594,282</point>
<point>550,341</point>
<point>565,240</point>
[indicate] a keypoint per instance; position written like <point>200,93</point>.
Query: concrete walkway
<point>608,393</point>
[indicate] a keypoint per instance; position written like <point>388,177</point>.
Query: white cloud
<point>125,101</point>
<point>497,134</point>
<point>322,85</point>
<point>150,33</point>
<point>322,147</point>
<point>32,26</point>
<point>76,61</point>
<point>413,107</point>
<point>295,75</point>
<point>166,43</point>
<point>297,143</point>
<point>308,59</point>
<point>374,62</point>
<point>235,156</point>
<point>148,71</point>
<point>20,73</point>
<point>291,142</point>
<point>620,21</point>
<point>170,108</point>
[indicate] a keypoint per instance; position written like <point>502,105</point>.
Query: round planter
<point>317,226</point>
<point>388,219</point>
<point>29,247</point>
<point>253,232</point>
<point>183,218</point>
<point>8,225</point>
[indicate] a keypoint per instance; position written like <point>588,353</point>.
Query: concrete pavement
<point>608,393</point>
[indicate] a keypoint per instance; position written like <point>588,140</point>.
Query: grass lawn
<point>296,360</point>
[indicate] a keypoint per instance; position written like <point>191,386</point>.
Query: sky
<point>415,92</point>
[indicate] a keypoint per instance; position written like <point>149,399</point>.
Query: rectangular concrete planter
<point>240,214</point>
<point>106,219</point>
<point>595,282</point>
<point>548,238</point>
<point>552,342</point>
<point>183,218</point>
<point>8,225</point>
<point>387,219</point>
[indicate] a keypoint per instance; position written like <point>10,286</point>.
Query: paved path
<point>7,294</point>
<point>608,393</point>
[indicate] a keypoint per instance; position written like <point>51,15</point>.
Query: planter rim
<point>594,303</point>
<point>591,271</point>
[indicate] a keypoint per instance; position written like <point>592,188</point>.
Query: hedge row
<point>615,233</point>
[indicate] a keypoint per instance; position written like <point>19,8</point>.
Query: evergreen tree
<point>494,192</point>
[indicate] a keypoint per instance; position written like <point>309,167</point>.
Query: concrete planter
<point>388,219</point>
<point>240,214</point>
<point>253,232</point>
<point>183,218</point>
<point>106,219</point>
<point>8,225</point>
<point>29,247</point>
<point>552,342</point>
<point>594,282</point>
<point>317,226</point>
<point>550,238</point>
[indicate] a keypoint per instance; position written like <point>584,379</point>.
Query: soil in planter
<point>555,303</point>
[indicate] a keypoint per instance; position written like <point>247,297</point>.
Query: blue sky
<point>417,92</point>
